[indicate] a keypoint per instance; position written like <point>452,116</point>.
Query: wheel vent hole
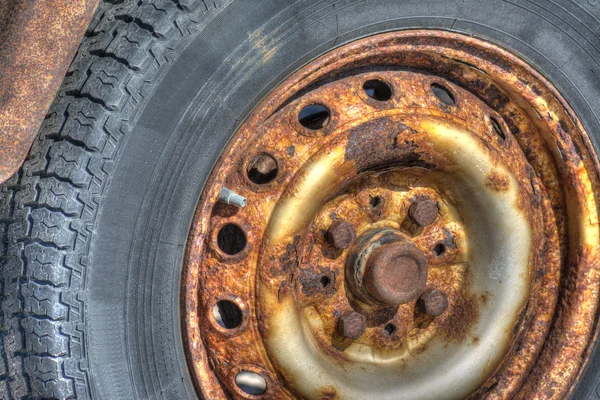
<point>314,116</point>
<point>497,128</point>
<point>227,314</point>
<point>439,249</point>
<point>262,169</point>
<point>251,383</point>
<point>376,202</point>
<point>444,95</point>
<point>377,90</point>
<point>324,281</point>
<point>231,239</point>
<point>390,329</point>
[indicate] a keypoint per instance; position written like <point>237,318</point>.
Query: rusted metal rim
<point>427,228</point>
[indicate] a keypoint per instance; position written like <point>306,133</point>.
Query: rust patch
<point>317,280</point>
<point>289,260</point>
<point>328,394</point>
<point>449,241</point>
<point>454,326</point>
<point>485,297</point>
<point>377,145</point>
<point>497,182</point>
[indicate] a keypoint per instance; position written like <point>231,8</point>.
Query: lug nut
<point>423,211</point>
<point>351,324</point>
<point>340,235</point>
<point>433,302</point>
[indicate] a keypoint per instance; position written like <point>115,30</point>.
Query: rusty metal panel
<point>38,39</point>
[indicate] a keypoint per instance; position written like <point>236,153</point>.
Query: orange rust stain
<point>485,297</point>
<point>328,394</point>
<point>497,182</point>
<point>455,325</point>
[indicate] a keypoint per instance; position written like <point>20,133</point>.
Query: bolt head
<point>423,212</point>
<point>351,324</point>
<point>433,302</point>
<point>340,235</point>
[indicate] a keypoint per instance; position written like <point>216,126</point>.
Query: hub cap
<point>420,207</point>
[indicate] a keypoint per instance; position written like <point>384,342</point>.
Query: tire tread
<point>47,209</point>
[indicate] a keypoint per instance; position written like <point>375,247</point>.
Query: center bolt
<point>395,273</point>
<point>387,269</point>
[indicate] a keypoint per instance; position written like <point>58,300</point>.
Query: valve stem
<point>228,196</point>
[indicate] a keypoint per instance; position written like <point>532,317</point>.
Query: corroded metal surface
<point>423,212</point>
<point>340,234</point>
<point>351,324</point>
<point>426,147</point>
<point>508,182</point>
<point>37,43</point>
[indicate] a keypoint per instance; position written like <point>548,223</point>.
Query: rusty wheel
<point>314,199</point>
<point>421,222</point>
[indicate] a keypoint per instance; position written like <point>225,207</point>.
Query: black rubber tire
<point>94,225</point>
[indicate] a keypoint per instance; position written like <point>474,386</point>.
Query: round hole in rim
<point>231,239</point>
<point>444,95</point>
<point>377,90</point>
<point>497,128</point>
<point>375,202</point>
<point>439,249</point>
<point>251,383</point>
<point>390,329</point>
<point>227,314</point>
<point>324,281</point>
<point>262,169</point>
<point>314,116</point>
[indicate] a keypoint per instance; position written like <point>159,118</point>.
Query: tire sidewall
<point>132,315</point>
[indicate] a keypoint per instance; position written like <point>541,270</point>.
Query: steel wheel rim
<point>563,219</point>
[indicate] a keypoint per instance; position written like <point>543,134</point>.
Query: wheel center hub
<point>387,269</point>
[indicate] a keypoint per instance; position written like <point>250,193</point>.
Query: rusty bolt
<point>340,235</point>
<point>433,302</point>
<point>423,211</point>
<point>351,324</point>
